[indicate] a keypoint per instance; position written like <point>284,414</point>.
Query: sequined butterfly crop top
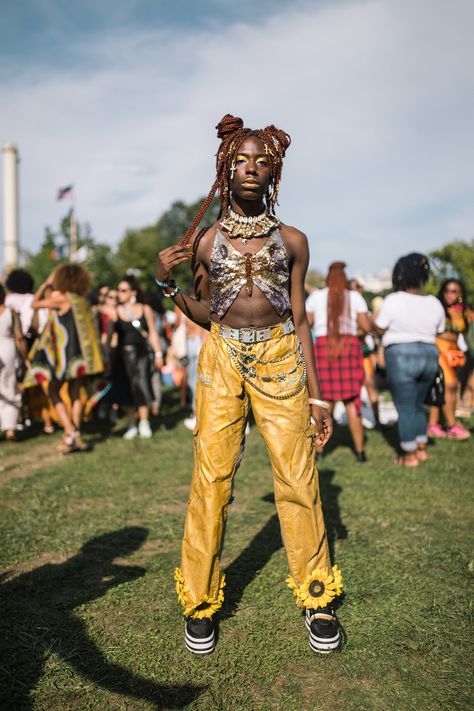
<point>230,270</point>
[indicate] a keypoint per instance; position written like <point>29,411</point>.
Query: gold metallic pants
<point>230,377</point>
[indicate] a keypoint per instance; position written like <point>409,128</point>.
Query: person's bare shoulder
<point>203,243</point>
<point>294,239</point>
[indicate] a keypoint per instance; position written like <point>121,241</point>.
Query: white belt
<point>255,335</point>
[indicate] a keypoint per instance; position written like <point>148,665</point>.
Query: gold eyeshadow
<point>259,159</point>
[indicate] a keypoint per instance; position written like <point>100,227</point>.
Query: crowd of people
<point>68,353</point>
<point>66,349</point>
<point>421,345</point>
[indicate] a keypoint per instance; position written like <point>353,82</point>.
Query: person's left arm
<point>153,335</point>
<point>300,260</point>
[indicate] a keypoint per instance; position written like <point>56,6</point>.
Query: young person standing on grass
<point>249,272</point>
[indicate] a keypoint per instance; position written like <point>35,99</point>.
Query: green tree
<point>139,248</point>
<point>41,264</point>
<point>55,247</point>
<point>455,259</point>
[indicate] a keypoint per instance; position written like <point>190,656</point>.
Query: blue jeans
<point>193,348</point>
<point>411,368</point>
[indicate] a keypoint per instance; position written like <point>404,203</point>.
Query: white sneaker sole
<point>322,645</point>
<point>198,645</point>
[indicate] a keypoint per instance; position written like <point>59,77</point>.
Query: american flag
<point>62,192</point>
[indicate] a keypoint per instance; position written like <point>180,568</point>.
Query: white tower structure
<point>11,232</point>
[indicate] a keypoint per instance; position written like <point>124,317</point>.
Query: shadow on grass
<point>99,430</point>
<point>256,555</point>
<point>38,621</point>
<point>247,565</point>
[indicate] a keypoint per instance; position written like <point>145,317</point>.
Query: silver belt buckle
<point>247,335</point>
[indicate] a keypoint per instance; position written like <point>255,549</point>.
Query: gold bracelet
<point>319,403</point>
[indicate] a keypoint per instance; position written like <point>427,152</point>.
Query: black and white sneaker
<point>199,635</point>
<point>323,628</point>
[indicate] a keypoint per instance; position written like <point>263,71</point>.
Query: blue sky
<point>122,97</point>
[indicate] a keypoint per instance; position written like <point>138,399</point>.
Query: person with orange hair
<point>249,271</point>
<point>335,314</point>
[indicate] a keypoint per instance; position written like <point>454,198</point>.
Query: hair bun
<point>227,125</point>
<point>280,136</point>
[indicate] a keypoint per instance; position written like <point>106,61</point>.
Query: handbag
<point>435,395</point>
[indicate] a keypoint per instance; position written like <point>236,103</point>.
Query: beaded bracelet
<point>319,403</point>
<point>169,285</point>
<point>171,294</point>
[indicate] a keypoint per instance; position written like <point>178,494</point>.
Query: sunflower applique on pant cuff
<point>205,607</point>
<point>318,589</point>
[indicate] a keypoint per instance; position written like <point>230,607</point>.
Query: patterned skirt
<point>342,377</point>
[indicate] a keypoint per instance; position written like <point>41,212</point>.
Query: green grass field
<point>89,617</point>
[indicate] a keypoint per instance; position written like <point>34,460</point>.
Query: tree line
<point>138,248</point>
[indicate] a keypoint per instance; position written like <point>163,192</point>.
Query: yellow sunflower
<point>208,605</point>
<point>318,589</point>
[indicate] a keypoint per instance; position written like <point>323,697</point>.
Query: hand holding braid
<point>232,132</point>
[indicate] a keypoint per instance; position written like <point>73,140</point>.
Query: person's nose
<point>251,168</point>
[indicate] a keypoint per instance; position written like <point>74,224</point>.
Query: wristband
<point>319,403</point>
<point>165,284</point>
<point>158,354</point>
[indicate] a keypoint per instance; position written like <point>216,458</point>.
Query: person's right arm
<point>195,308</point>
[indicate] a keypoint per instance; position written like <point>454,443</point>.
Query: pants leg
<point>194,345</point>
<point>221,414</point>
<point>289,437</point>
<point>429,363</point>
<point>410,369</point>
<point>9,395</point>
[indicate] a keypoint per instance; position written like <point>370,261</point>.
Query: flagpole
<point>73,228</point>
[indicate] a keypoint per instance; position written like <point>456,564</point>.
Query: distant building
<point>376,283</point>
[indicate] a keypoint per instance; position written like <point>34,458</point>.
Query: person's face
<point>252,170</point>
<point>103,291</point>
<point>452,293</point>
<point>124,292</point>
<point>355,286</point>
<point>111,298</point>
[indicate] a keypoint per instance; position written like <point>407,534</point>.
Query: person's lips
<point>251,183</point>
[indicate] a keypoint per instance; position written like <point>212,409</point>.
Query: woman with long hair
<point>68,350</point>
<point>408,322</point>
<point>459,316</point>
<point>336,314</point>
<point>139,347</point>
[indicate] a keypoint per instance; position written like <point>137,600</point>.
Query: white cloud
<point>377,96</point>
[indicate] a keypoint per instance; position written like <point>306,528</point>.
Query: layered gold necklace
<point>248,227</point>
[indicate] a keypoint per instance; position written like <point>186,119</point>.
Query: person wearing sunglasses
<point>138,344</point>
<point>459,316</point>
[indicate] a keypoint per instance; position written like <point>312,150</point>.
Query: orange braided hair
<point>232,133</point>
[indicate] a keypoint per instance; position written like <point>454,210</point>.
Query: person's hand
<point>158,362</point>
<point>323,424</point>
<point>170,257</point>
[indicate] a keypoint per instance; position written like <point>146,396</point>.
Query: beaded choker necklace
<point>248,227</point>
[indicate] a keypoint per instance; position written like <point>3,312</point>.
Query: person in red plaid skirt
<point>335,314</point>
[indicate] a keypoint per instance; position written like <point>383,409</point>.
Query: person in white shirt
<point>409,323</point>
<point>335,315</point>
